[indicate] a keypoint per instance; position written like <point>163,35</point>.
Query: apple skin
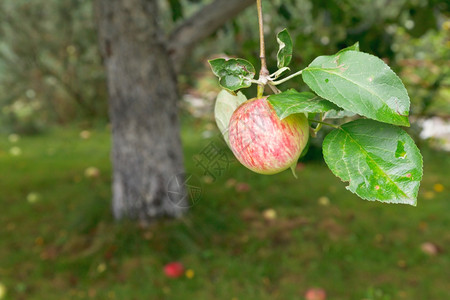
<point>261,141</point>
<point>174,269</point>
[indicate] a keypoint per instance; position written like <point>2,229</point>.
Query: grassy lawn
<point>59,241</point>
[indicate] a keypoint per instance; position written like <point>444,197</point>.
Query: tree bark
<point>147,157</point>
<point>142,86</point>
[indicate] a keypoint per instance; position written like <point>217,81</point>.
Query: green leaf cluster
<point>378,159</point>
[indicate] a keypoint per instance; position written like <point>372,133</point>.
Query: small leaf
<point>360,83</point>
<point>380,161</point>
<point>226,104</point>
<point>284,54</point>
<point>354,47</point>
<point>292,102</point>
<point>234,73</point>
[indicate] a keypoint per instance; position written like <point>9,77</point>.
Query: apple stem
<point>264,72</point>
<point>260,91</point>
<point>319,126</point>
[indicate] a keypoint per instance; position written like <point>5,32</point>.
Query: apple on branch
<point>264,143</point>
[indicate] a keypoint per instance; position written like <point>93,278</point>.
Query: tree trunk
<point>142,86</point>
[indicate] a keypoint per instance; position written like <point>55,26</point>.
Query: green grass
<point>67,246</point>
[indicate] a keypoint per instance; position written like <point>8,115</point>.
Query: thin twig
<point>274,89</point>
<point>287,78</point>
<point>263,73</point>
<point>319,126</point>
<point>320,122</point>
<point>317,129</point>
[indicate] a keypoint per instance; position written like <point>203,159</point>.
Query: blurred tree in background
<point>251,236</point>
<point>51,72</point>
<point>403,32</point>
<point>142,65</point>
<point>50,68</point>
<point>425,69</point>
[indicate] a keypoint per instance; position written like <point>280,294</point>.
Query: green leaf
<point>226,104</point>
<point>234,73</point>
<point>292,102</point>
<point>380,161</point>
<point>284,54</point>
<point>354,47</point>
<point>361,83</point>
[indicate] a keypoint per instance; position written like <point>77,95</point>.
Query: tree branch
<point>199,26</point>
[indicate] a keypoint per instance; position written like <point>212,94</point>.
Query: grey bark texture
<point>146,153</point>
<point>146,148</point>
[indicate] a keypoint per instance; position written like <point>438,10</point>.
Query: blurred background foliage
<point>50,68</point>
<point>411,35</point>
<point>51,71</point>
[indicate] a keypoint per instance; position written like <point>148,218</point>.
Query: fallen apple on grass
<point>174,269</point>
<point>264,143</point>
<point>315,294</point>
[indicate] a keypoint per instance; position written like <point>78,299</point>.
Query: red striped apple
<point>264,143</point>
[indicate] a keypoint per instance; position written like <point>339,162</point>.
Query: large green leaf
<point>284,54</point>
<point>361,83</point>
<point>226,104</point>
<point>380,161</point>
<point>292,102</point>
<point>234,73</point>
